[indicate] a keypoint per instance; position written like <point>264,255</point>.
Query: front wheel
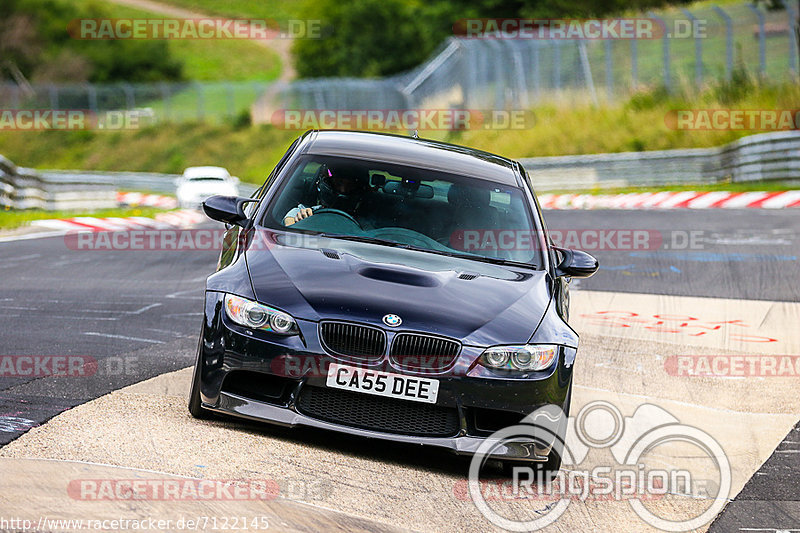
<point>195,402</point>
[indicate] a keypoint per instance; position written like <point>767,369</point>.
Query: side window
<point>250,209</point>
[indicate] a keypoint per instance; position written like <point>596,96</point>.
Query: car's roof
<point>421,153</point>
<point>205,172</point>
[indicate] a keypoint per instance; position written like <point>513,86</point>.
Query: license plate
<point>383,383</point>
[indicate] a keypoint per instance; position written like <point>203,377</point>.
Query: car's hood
<point>336,279</point>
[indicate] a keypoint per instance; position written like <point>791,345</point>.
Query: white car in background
<point>199,183</point>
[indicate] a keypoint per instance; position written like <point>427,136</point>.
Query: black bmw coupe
<point>390,287</point>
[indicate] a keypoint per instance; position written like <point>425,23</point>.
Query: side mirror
<point>576,264</point>
<point>227,209</point>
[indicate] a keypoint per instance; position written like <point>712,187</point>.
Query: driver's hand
<point>303,213</point>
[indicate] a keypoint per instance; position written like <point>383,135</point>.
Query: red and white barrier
<point>184,218</point>
<point>673,200</point>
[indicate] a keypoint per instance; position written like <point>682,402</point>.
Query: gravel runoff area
<point>146,426</point>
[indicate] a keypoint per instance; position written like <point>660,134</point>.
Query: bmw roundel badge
<point>392,320</point>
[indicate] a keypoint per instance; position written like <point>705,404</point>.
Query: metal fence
<point>504,73</point>
<point>766,156</point>
<point>480,73</point>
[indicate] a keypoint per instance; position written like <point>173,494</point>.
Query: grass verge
<point>10,219</point>
<point>250,152</point>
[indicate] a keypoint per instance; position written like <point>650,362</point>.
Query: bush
<point>368,38</point>
<point>34,37</point>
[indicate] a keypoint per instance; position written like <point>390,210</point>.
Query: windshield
<point>206,178</point>
<point>396,205</point>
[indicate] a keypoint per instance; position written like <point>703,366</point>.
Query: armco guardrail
<point>133,181</point>
<point>766,156</point>
<point>24,188</point>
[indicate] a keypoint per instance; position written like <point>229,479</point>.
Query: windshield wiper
<point>364,238</point>
<point>485,259</point>
<point>395,244</point>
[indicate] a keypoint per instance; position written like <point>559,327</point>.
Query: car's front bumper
<point>227,350</point>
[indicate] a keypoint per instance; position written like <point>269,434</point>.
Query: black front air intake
<point>376,413</point>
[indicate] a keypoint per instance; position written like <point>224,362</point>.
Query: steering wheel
<point>330,211</point>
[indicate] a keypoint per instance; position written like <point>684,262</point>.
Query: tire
<point>553,463</point>
<point>195,402</point>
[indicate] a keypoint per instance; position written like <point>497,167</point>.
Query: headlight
<point>524,357</point>
<point>256,316</point>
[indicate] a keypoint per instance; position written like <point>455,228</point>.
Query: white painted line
<point>96,334</point>
<point>13,261</point>
<point>142,310</point>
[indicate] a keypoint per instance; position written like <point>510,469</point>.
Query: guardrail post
<point>556,64</point>
<point>587,70</point>
<point>728,41</point>
<point>231,100</point>
<point>91,94</point>
<point>15,96</point>
<point>609,69</point>
<point>698,49</point>
<point>762,41</point>
<point>201,107</point>
<point>53,93</point>
<point>665,49</point>
<point>130,100</point>
<point>792,12</point>
<point>166,97</point>
<point>519,71</point>
<point>537,78</point>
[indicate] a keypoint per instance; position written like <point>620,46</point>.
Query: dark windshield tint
<point>394,204</point>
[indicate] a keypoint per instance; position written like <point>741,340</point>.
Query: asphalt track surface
<point>138,313</point>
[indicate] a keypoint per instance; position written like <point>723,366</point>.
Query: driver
<point>343,188</point>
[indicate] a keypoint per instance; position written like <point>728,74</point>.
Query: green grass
<point>636,125</point>
<point>277,10</point>
<point>10,219</point>
<point>210,60</point>
<point>251,152</point>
